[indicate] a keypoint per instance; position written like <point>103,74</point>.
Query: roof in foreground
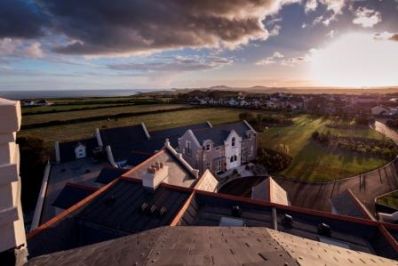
<point>210,245</point>
<point>72,194</point>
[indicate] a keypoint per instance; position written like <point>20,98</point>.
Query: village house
<point>219,148</point>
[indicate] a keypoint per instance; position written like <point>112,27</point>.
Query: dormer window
<point>207,147</point>
<point>233,142</point>
<point>80,151</point>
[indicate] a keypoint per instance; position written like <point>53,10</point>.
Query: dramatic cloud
<point>271,59</point>
<point>20,18</point>
<point>367,18</point>
<point>176,64</point>
<point>18,48</point>
<point>280,59</point>
<point>333,9</point>
<point>310,5</point>
<point>134,26</point>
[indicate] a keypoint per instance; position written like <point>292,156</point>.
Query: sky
<point>156,44</point>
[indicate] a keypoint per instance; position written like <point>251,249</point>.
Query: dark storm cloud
<point>132,26</point>
<point>176,64</point>
<point>20,19</point>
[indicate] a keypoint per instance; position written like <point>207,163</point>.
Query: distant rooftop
<point>131,144</point>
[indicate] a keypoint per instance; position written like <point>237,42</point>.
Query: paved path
<point>366,187</point>
<point>386,131</point>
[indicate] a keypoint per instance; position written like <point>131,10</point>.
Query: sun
<point>356,60</point>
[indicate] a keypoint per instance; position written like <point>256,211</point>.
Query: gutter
<point>40,198</point>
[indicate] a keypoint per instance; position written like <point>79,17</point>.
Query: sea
<point>37,94</point>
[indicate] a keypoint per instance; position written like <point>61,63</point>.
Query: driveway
<point>386,131</point>
<point>365,186</point>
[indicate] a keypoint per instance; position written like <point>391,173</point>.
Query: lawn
<point>313,162</point>
<point>390,200</point>
<point>34,119</point>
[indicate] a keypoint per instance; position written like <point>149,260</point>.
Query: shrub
<point>273,160</point>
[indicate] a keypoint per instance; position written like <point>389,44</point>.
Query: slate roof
<point>207,209</point>
<point>347,204</point>
<point>174,133</point>
<point>240,127</point>
<point>242,186</point>
<point>131,144</point>
<point>210,246</point>
<point>67,149</point>
<point>71,194</point>
<point>109,174</point>
<point>123,140</point>
<point>119,208</point>
<point>219,133</point>
<point>218,136</point>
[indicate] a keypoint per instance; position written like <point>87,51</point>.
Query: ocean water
<point>19,94</point>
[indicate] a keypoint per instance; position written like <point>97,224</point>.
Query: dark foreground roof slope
<point>72,194</point>
<point>347,204</point>
<point>109,174</point>
<point>210,246</point>
<point>124,207</point>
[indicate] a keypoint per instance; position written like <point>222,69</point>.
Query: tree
<point>315,135</point>
<point>274,161</point>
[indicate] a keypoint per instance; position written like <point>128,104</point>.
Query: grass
<point>390,200</point>
<point>34,119</point>
<point>313,162</point>
<point>50,108</point>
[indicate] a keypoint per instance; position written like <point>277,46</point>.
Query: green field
<point>390,200</point>
<point>313,162</point>
<point>34,119</point>
<point>61,108</point>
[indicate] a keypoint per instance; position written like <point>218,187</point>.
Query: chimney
<point>12,231</point>
<point>155,175</point>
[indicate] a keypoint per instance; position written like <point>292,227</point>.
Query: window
<point>208,147</point>
<point>233,142</point>
<point>233,158</point>
<point>188,148</point>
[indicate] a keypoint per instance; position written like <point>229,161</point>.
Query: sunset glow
<point>356,60</point>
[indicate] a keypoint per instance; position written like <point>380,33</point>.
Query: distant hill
<point>295,90</point>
